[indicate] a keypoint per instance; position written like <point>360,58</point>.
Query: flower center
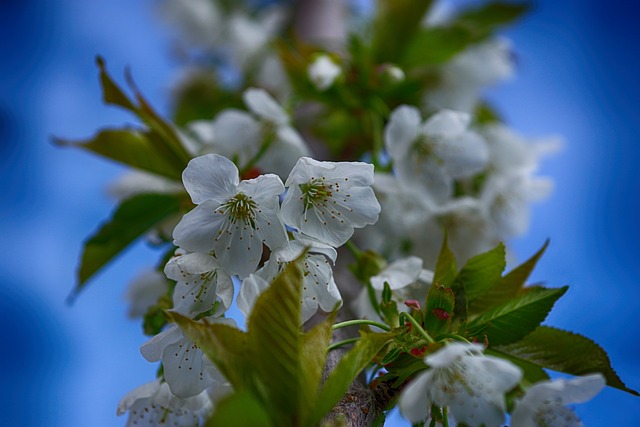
<point>317,192</point>
<point>240,208</point>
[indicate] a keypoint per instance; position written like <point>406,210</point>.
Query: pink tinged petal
<point>415,401</point>
<point>402,130</point>
<point>197,229</point>
<point>251,288</point>
<point>264,106</point>
<point>210,177</point>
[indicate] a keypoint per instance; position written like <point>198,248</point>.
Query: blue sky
<point>68,366</point>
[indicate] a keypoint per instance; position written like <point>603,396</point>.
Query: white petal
<point>402,130</point>
<point>210,177</point>
<point>447,123</point>
<point>185,368</point>
<point>251,288</point>
<point>237,134</point>
<point>152,349</point>
<point>264,106</point>
<point>448,354</point>
<point>191,263</point>
<point>415,404</point>
<point>464,155</point>
<point>144,391</point>
<point>196,230</point>
<point>323,72</point>
<point>398,274</point>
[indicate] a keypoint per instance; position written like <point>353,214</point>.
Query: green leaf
<point>240,409</point>
<point>485,19</point>
<point>227,347</point>
<point>131,147</point>
<point>439,310</point>
<point>395,24</point>
<point>349,367</point>
<point>516,318</point>
<point>482,272</point>
<point>314,353</point>
<point>566,352</point>
<point>446,269</point>
<point>510,285</point>
<point>274,333</point>
<point>433,46</point>
<point>165,138</point>
<point>133,218</point>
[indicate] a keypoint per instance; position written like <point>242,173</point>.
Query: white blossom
<point>186,369</point>
<point>431,155</point>
<point>319,289</point>
<point>287,145</point>
<point>200,284</point>
<point>144,291</point>
<point>323,72</point>
<point>464,77</point>
<point>462,379</point>
<point>232,218</point>
<point>543,405</point>
<point>153,405</point>
<point>327,200</point>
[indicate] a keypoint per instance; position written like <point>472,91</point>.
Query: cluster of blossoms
<point>233,226</point>
<point>260,202</point>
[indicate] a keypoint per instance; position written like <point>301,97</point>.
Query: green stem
<point>360,322</point>
<point>343,342</point>
<point>413,321</point>
<point>453,337</point>
<point>355,250</point>
<point>445,416</point>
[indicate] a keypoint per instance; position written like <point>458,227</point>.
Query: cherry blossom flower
<point>319,289</point>
<point>232,218</point>
<point>153,405</point>
<point>327,200</point>
<point>462,379</point>
<point>431,155</point>
<point>201,282</point>
<point>323,72</point>
<point>464,77</point>
<point>186,369</point>
<point>543,405</point>
<point>144,291</point>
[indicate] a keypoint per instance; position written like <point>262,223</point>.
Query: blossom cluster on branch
<point>398,228</point>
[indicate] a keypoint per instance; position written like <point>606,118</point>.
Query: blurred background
<point>578,67</point>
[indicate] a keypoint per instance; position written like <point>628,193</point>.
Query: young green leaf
<point>227,347</point>
<point>131,147</point>
<point>482,272</point>
<point>439,310</point>
<point>516,318</point>
<point>240,409</point>
<point>134,217</point>
<point>315,344</point>
<point>349,367</point>
<point>446,269</point>
<point>508,286</point>
<point>564,351</point>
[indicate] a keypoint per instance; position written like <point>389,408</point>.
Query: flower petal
<point>210,177</point>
